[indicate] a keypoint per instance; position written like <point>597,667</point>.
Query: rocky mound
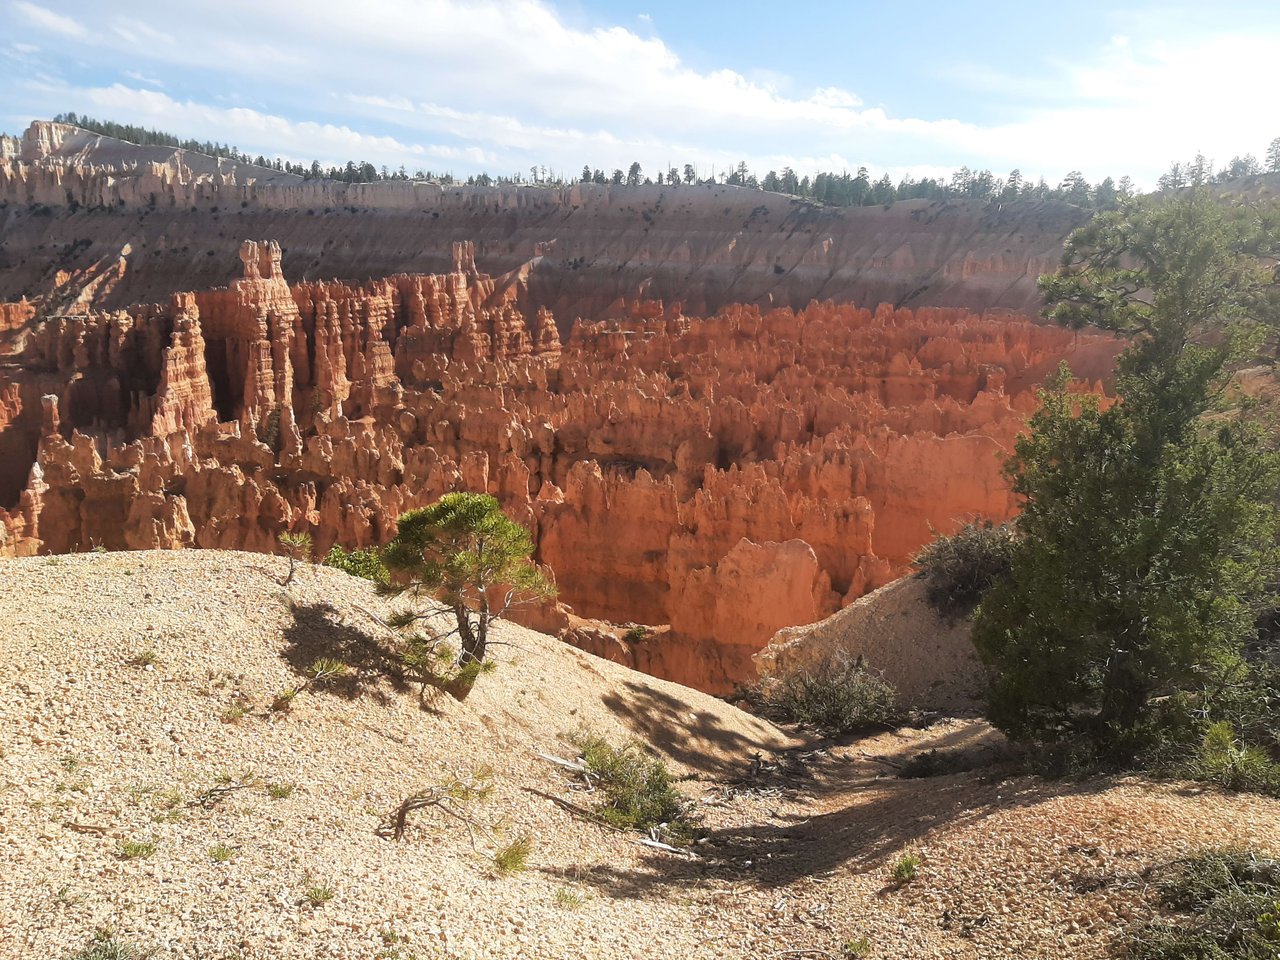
<point>76,205</point>
<point>133,710</point>
<point>928,658</point>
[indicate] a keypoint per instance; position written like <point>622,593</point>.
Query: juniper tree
<point>1148,528</point>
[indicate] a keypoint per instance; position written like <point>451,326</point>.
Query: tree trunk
<point>474,643</point>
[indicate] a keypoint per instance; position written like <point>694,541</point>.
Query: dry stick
<point>666,847</point>
<point>592,817</point>
<point>86,828</point>
<point>573,808</point>
<point>574,765</point>
<point>880,759</point>
<point>215,795</point>
<point>398,821</point>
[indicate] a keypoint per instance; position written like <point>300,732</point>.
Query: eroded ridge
<point>715,478</point>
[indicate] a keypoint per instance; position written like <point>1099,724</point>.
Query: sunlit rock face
<point>716,479</point>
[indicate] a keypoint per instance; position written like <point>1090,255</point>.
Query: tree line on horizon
<point>841,189</point>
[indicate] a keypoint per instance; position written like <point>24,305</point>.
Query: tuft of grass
<point>856,949</point>
<point>318,895</point>
<point>145,658</point>
<point>234,713</point>
<point>327,668</point>
<point>104,946</point>
<point>906,869</point>
<point>637,789</point>
<point>1225,905</point>
<point>221,853</point>
<point>284,699</point>
<point>69,762</point>
<point>514,857</point>
<point>1225,760</point>
<point>136,849</point>
<point>280,791</point>
<point>569,899</point>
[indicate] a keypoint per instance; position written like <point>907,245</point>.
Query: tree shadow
<point>861,836</point>
<point>695,738</point>
<point>319,630</point>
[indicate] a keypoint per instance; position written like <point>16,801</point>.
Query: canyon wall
<point>711,479</point>
<point>86,219</point>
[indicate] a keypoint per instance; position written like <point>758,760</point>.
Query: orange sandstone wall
<point>716,479</point>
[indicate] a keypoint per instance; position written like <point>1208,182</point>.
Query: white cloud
<point>48,20</point>
<point>258,132</point>
<point>506,83</point>
<point>135,75</point>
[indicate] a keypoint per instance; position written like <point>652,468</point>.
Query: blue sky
<point>499,85</point>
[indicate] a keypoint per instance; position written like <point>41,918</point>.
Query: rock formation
<point>116,223</point>
<point>715,479</point>
<point>929,659</point>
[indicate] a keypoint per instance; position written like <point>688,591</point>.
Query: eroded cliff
<point>715,479</point>
<point>114,223</point>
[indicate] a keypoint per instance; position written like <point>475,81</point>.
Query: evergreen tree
<point>1148,530</point>
<point>466,553</point>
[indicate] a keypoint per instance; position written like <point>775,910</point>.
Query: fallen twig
<point>576,766</point>
<point>876,758</point>
<point>573,808</point>
<point>86,828</point>
<point>666,847</point>
<point>215,795</point>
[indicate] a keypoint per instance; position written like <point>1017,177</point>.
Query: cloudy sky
<point>1108,88</point>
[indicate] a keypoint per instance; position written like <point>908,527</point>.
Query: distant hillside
<point>76,199</point>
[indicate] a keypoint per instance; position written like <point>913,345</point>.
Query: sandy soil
<point>125,677</point>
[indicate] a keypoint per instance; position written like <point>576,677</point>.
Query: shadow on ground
<point>319,630</point>
<point>695,738</point>
<point>881,817</point>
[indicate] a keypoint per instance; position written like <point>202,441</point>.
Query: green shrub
<point>297,547</point>
<point>856,949</point>
<point>961,568</point>
<point>366,564</point>
<point>319,894</point>
<point>1226,904</point>
<point>636,788</point>
<point>136,849</point>
<point>1225,760</point>
<point>835,696</point>
<point>221,853</point>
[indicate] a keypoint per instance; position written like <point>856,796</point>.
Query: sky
<point>464,86</point>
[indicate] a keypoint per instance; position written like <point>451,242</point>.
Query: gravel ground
<point>135,683</point>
